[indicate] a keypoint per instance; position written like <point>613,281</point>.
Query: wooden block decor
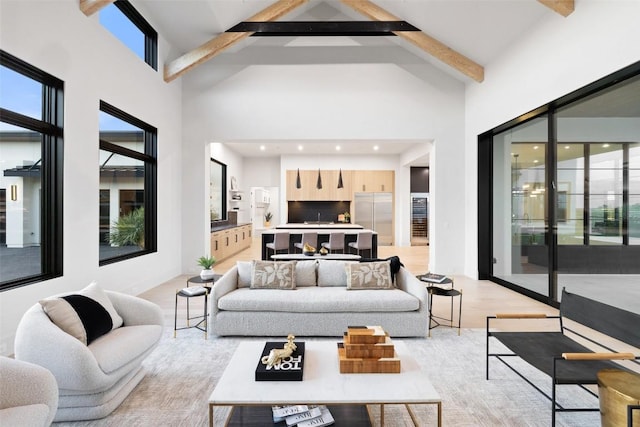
<point>367,350</point>
<point>366,334</point>
<point>377,350</point>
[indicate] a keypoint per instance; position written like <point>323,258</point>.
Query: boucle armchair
<point>28,394</point>
<point>93,379</point>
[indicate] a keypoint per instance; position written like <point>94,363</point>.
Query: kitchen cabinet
<point>309,181</point>
<point>230,241</point>
<point>373,181</point>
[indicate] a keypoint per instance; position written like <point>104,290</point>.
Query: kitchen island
<point>324,230</point>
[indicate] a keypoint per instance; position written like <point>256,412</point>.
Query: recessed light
<point>535,161</point>
<point>375,148</point>
<point>262,148</point>
<point>566,147</point>
<point>605,145</point>
<point>300,148</point>
<point>535,147</point>
<point>337,148</point>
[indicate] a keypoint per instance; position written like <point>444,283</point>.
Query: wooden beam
<point>89,7</point>
<point>425,42</point>
<point>563,7</point>
<point>218,44</point>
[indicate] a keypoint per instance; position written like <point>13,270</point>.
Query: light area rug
<point>182,373</point>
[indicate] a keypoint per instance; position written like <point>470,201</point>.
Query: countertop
<point>227,226</point>
<point>321,230</point>
<point>322,225</point>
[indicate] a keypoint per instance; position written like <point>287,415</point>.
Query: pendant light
<point>340,184</point>
<point>298,183</point>
<point>319,183</point>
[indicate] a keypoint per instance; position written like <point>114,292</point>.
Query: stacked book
<point>367,349</point>
<point>302,415</point>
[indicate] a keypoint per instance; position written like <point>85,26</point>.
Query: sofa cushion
<point>86,315</point>
<point>273,275</point>
<point>131,342</point>
<point>244,273</point>
<point>306,273</point>
<point>332,273</point>
<point>319,300</point>
<point>369,275</point>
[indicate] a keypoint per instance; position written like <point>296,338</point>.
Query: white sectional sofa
<point>320,305</point>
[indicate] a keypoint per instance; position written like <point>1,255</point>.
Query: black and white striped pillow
<point>86,315</point>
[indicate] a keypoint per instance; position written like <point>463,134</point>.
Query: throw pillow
<point>273,275</point>
<point>86,315</point>
<point>369,275</point>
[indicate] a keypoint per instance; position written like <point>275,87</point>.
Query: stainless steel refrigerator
<point>375,211</point>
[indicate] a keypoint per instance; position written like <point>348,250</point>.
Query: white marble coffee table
<point>322,382</point>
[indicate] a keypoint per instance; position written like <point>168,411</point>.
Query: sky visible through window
<point>120,26</point>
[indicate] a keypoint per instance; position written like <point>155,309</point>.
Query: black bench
<point>561,357</point>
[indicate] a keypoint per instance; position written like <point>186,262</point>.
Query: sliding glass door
<point>520,226</point>
<point>559,196</point>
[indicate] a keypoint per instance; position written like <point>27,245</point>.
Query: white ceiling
<point>478,29</point>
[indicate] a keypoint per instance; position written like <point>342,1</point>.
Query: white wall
<point>332,102</point>
<point>557,57</point>
<point>59,39</point>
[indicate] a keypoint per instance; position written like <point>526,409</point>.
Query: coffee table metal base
<point>322,383</point>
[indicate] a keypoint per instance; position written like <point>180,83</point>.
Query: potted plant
<point>206,263</point>
<point>267,219</point>
<point>347,217</point>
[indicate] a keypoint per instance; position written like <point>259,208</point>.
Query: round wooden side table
<point>619,395</point>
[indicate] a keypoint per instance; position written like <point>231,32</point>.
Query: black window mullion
<point>552,199</point>
<point>625,194</point>
<point>587,193</point>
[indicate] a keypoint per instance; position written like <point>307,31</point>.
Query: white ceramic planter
<point>207,274</point>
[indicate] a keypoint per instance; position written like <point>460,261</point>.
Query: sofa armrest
<point>227,283</point>
<point>25,384</point>
<point>136,311</point>
<point>410,284</point>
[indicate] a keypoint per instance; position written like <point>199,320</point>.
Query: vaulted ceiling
<point>462,37</point>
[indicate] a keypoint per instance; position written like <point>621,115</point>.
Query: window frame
<point>149,157</point>
<point>51,127</point>
<point>150,34</point>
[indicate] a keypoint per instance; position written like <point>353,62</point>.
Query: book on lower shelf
<point>290,368</point>
<point>432,278</point>
<point>302,415</point>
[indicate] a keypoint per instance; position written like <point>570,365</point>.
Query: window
<point>127,195</point>
<point>126,23</point>
<point>218,190</point>
<point>559,195</point>
<point>31,149</point>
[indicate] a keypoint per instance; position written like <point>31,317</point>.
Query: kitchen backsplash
<point>308,211</point>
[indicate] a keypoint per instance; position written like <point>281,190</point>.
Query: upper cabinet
<point>373,181</point>
<point>309,185</point>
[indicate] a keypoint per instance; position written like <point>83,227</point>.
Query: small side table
<point>434,288</point>
<point>189,293</point>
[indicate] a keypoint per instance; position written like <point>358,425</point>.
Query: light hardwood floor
<point>480,298</point>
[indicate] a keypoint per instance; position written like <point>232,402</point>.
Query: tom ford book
<point>290,368</point>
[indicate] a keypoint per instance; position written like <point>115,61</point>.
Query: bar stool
<point>363,242</point>
<point>335,243</point>
<point>192,292</point>
<point>280,242</point>
<point>310,238</point>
